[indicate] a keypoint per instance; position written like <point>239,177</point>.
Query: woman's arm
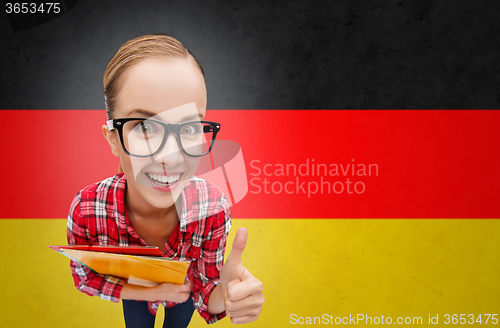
<point>232,290</point>
<point>163,292</point>
<point>87,281</point>
<point>216,301</point>
<point>204,272</point>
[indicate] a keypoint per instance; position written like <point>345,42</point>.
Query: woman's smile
<point>164,182</point>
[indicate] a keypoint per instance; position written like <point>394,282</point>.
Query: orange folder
<point>137,269</point>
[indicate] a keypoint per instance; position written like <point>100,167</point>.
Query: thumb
<point>240,240</point>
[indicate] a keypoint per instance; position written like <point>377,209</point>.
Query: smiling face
<point>170,90</point>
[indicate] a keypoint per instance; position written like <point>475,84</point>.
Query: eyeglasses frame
<point>118,123</point>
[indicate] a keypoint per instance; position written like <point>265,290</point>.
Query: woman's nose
<point>170,154</point>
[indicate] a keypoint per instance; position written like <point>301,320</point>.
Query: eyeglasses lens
<point>144,138</point>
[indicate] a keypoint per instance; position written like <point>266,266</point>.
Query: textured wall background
<point>271,54</point>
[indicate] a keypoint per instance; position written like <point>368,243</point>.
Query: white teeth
<point>163,179</point>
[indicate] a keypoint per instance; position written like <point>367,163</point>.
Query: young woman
<point>156,105</point>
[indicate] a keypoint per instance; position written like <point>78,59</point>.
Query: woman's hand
<point>242,292</point>
<point>172,292</point>
<point>163,292</point>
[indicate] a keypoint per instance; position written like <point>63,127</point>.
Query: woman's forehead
<point>157,85</point>
<point>184,113</point>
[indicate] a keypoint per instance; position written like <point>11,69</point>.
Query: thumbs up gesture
<point>242,292</point>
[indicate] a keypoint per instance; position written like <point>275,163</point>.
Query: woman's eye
<point>147,128</point>
<point>190,129</point>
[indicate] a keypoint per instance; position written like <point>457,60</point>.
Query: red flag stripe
<point>300,163</point>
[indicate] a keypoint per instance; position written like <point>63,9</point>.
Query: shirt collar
<point>119,201</point>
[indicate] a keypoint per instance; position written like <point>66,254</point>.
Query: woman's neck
<point>153,225</point>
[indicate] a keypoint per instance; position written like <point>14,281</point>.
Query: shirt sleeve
<point>86,280</point>
<point>207,268</point>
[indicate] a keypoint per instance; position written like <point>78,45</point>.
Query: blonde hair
<point>134,51</point>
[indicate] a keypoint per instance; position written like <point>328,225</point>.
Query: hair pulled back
<point>134,51</point>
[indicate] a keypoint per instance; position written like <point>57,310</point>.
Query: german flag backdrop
<point>355,216</point>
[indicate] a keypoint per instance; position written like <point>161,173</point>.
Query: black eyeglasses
<point>144,137</point>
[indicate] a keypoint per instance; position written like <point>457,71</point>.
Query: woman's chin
<point>161,201</point>
<point>157,197</point>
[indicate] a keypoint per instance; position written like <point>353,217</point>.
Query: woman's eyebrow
<point>141,111</point>
<point>147,113</point>
<point>191,117</point>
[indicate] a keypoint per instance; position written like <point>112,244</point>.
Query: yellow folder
<point>141,270</point>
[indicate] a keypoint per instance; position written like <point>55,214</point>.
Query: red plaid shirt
<point>98,217</point>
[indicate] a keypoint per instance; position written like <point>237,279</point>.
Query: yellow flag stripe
<point>309,268</point>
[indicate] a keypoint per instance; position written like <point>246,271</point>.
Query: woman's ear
<point>112,140</point>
